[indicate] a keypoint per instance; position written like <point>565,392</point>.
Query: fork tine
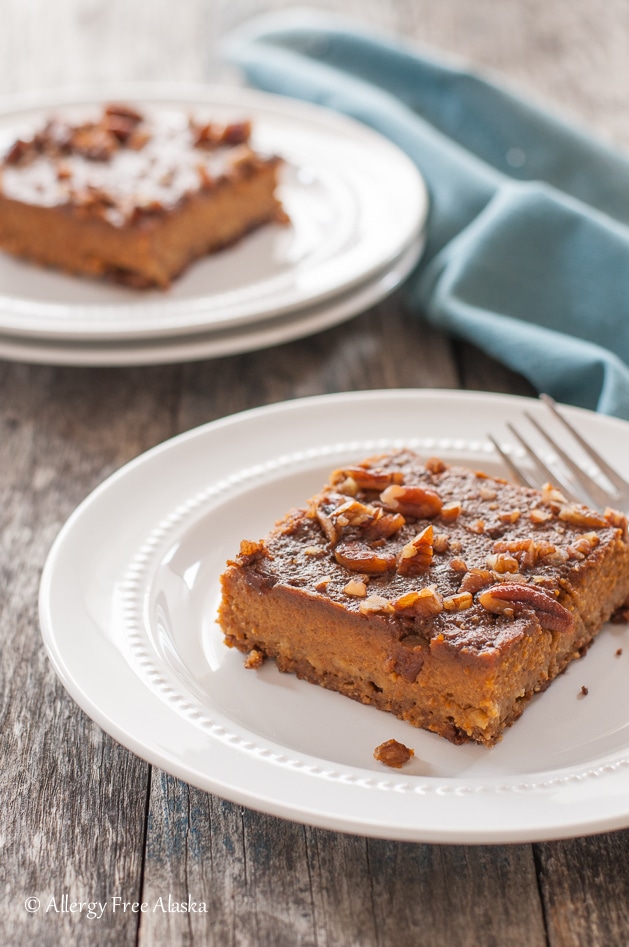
<point>592,490</point>
<point>515,470</point>
<point>543,470</point>
<point>612,475</point>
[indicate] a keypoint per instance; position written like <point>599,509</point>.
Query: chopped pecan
<point>122,110</point>
<point>325,510</point>
<point>336,513</point>
<point>435,465</point>
<point>509,516</point>
<point>578,515</point>
<point>393,754</point>
<point>212,134</point>
<point>458,602</point>
<point>354,513</point>
<point>487,493</point>
<point>356,587</point>
<point>347,486</point>
<point>383,525</point>
<point>416,556</point>
<point>314,551</point>
<point>552,497</point>
<point>422,604</point>
<point>476,579</point>
<point>476,526</point>
<point>236,133</point>
<point>322,583</point>
<point>617,519</point>
<point>583,546</point>
<point>368,478</point>
<point>502,562</point>
<point>451,511</point>
<point>120,126</point>
<point>458,565</point>
<point>544,549</point>
<point>251,551</point>
<point>510,597</point>
<point>524,550</point>
<point>440,542</point>
<point>18,151</point>
<point>420,502</point>
<point>374,604</point>
<point>359,557</point>
<point>539,517</point>
<point>94,142</point>
<point>556,558</point>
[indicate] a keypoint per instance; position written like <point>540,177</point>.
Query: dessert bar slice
<point>131,196</point>
<point>441,594</point>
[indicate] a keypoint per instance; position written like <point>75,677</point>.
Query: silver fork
<point>602,488</point>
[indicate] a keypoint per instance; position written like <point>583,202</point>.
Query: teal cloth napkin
<point>528,234</point>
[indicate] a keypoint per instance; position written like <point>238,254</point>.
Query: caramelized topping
<point>120,164</point>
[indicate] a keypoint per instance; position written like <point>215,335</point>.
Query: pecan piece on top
<point>355,513</point>
<point>251,551</point>
<point>617,519</point>
<point>368,478</point>
<point>416,556</point>
<point>502,562</point>
<point>578,515</point>
<point>422,604</point>
<point>435,465</point>
<point>383,525</point>
<point>420,502</point>
<point>451,511</point>
<point>510,598</point>
<point>356,587</point>
<point>359,557</point>
<point>476,579</point>
<point>458,602</point>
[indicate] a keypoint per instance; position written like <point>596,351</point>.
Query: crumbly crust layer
<point>132,196</point>
<point>438,593</point>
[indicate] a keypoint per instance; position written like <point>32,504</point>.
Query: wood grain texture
<point>62,825</point>
<point>585,889</point>
<point>81,815</point>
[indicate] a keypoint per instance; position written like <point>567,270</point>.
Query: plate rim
<point>362,823</point>
<point>209,345</point>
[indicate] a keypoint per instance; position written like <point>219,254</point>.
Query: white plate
<point>355,202</point>
<point>128,602</point>
<point>220,343</point>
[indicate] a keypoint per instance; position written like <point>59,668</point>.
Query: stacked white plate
<point>357,207</point>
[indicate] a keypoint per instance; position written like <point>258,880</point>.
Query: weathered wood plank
<point>272,883</point>
<point>464,895</point>
<point>63,829</point>
<point>247,874</point>
<point>584,884</point>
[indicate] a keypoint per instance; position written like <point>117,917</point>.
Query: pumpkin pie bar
<point>132,196</point>
<point>441,594</point>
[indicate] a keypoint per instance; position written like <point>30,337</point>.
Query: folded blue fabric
<point>528,233</point>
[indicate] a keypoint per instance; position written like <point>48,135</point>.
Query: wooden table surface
<point>80,815</point>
